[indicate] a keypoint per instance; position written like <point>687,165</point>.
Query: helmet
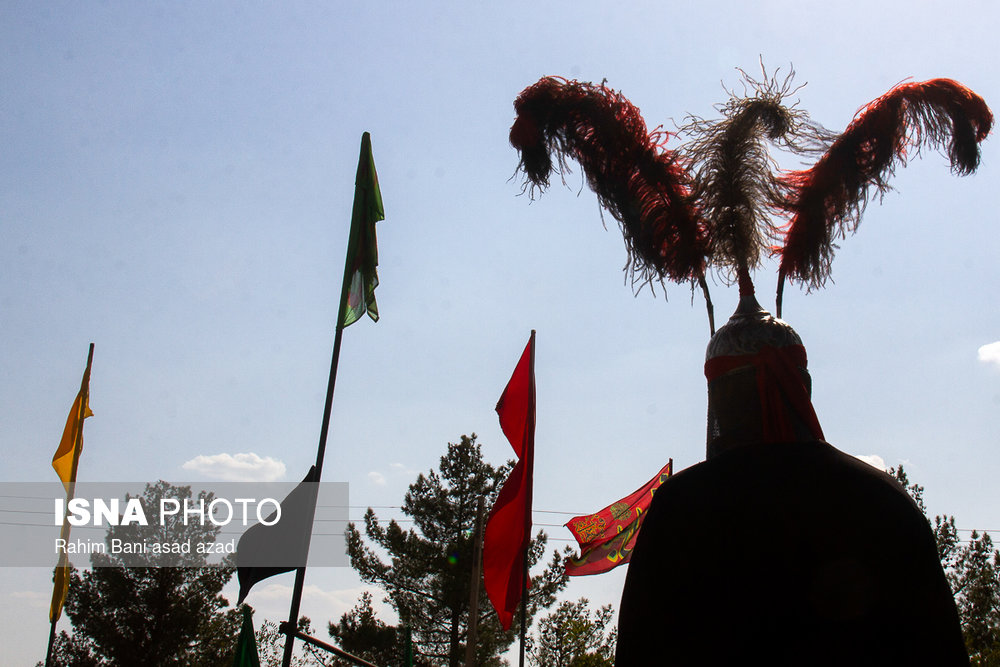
<point>758,385</point>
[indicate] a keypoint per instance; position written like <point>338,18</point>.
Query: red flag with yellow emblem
<point>607,537</point>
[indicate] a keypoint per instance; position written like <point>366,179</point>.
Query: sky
<point>176,183</point>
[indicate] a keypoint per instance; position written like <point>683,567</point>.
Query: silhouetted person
<point>779,549</point>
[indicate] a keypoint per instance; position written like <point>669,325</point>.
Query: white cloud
<point>990,353</point>
<point>873,460</point>
<point>237,467</point>
<point>394,473</point>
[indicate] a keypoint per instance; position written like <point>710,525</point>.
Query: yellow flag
<point>65,462</point>
<point>65,459</point>
<point>60,588</point>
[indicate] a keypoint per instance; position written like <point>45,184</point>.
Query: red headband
<point>778,378</point>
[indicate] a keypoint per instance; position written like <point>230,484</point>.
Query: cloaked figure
<point>778,549</point>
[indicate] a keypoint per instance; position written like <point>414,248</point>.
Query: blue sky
<point>176,188</point>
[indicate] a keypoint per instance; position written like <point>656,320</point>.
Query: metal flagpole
<point>527,506</point>
<point>81,415</point>
<point>52,639</point>
<point>330,648</point>
<point>524,605</point>
<point>300,573</point>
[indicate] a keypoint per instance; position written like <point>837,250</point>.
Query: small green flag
<point>246,645</point>
<point>362,253</point>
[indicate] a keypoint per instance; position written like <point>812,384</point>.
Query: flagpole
<point>300,573</point>
<point>527,508</point>
<point>81,415</point>
<point>477,561</point>
<point>52,641</point>
<point>524,604</point>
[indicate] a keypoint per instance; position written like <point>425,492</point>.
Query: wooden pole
<point>477,566</point>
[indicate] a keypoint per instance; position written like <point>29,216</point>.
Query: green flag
<point>246,645</point>
<point>362,253</point>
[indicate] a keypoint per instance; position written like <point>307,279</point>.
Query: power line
<point>399,519</point>
<point>396,519</point>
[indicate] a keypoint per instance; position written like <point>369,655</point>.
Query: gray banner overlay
<point>198,524</point>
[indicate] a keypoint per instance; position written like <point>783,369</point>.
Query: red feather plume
<point>828,199</point>
<point>639,182</point>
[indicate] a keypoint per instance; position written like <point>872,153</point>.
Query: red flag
<point>607,537</point>
<point>508,529</point>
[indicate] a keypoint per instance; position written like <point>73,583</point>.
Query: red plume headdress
<point>713,201</point>
<point>827,200</point>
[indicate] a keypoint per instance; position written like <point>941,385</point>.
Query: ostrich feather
<point>826,201</point>
<point>734,172</point>
<point>715,201</point>
<point>638,181</point>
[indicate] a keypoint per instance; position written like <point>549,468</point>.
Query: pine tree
<point>360,632</point>
<point>156,616</point>
<point>571,637</point>
<point>973,572</point>
<point>428,576</point>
